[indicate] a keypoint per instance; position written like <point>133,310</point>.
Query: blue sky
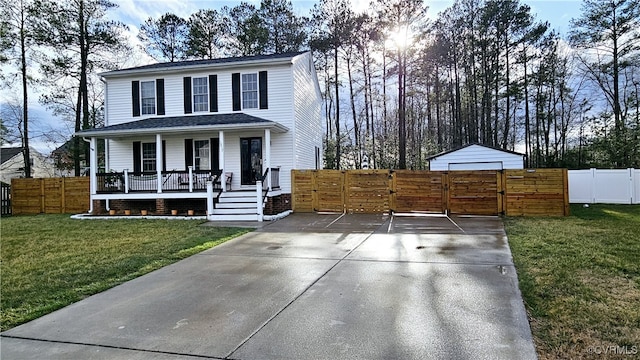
<point>134,12</point>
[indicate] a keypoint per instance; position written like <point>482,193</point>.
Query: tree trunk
<point>337,99</point>
<point>25,103</point>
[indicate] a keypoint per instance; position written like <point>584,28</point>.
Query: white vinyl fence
<point>604,186</point>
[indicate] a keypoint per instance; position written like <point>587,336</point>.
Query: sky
<point>134,12</point>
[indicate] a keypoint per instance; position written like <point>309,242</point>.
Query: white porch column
<point>260,200</point>
<point>93,167</point>
<point>223,178</point>
<point>209,199</point>
<point>159,161</point>
<point>267,156</point>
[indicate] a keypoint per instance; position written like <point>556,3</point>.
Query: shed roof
<point>471,144</point>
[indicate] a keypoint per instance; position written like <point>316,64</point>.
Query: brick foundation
<point>161,206</point>
<point>99,207</point>
<point>277,204</point>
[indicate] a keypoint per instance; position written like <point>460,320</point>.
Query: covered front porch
<point>189,158</point>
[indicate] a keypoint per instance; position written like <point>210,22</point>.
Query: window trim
<point>144,159</point>
<point>155,98</point>
<point>195,156</point>
<point>256,90</point>
<point>205,94</point>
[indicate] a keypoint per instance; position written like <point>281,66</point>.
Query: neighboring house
<point>476,157</point>
<point>171,128</point>
<point>63,159</point>
<point>13,164</point>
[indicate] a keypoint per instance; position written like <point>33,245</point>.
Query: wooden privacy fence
<point>50,195</point>
<point>490,192</point>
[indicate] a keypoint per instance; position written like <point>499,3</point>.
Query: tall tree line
<point>398,85</point>
<point>483,71</point>
<point>242,30</point>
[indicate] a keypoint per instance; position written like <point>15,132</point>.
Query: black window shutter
<point>262,80</point>
<point>164,155</point>
<point>137,156</point>
<point>215,161</point>
<point>135,97</point>
<point>213,93</point>
<point>187,95</point>
<point>235,90</point>
<point>160,96</point>
<point>188,153</point>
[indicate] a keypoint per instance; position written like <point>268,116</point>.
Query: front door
<point>250,160</point>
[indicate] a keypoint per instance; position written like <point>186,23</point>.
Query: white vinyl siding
<point>307,113</point>
<point>200,94</point>
<point>148,97</point>
<point>250,91</point>
<point>299,112</point>
<point>119,108</point>
<point>476,157</point>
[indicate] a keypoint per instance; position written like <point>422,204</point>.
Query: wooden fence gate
<point>474,192</point>
<point>487,192</point>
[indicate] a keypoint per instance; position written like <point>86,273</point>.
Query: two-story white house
<point>173,128</point>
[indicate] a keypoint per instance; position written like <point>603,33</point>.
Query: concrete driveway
<point>308,286</point>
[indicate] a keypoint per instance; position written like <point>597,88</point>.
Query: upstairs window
<point>200,94</point>
<point>148,156</point>
<point>250,91</point>
<point>148,97</point>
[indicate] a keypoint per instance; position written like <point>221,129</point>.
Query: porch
<point>191,158</point>
<point>175,181</point>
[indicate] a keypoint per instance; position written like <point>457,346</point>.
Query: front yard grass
<point>580,280</point>
<point>50,261</point>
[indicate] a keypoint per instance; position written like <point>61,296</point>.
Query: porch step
<point>234,211</point>
<point>236,217</point>
<point>237,204</point>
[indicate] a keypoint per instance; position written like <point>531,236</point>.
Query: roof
<point>219,62</point>
<point>184,124</point>
<point>9,153</point>
<point>471,144</point>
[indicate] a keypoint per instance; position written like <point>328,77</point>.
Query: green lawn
<point>50,261</point>
<point>580,280</point>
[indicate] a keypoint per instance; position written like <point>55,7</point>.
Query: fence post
<point>565,180</point>
<point>63,202</point>
<point>633,182</point>
<point>41,195</point>
<point>594,173</point>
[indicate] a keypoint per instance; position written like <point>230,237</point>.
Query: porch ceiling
<point>184,124</point>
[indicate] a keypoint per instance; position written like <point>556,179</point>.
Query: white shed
<point>476,157</point>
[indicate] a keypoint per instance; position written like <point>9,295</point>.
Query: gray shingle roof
<point>8,153</point>
<point>205,62</point>
<point>168,124</point>
<point>470,144</point>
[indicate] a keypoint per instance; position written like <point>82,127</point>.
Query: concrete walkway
<point>308,287</point>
